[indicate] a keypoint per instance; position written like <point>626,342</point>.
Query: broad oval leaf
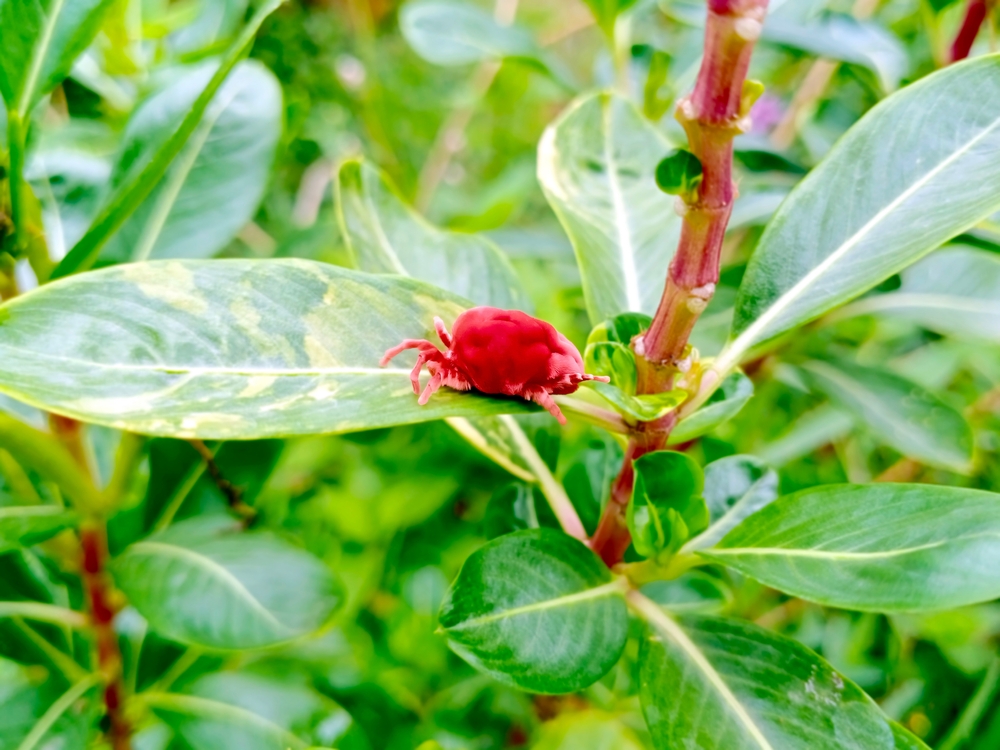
<point>735,487</point>
<point>206,582</point>
<point>214,185</point>
<point>597,165</point>
<point>538,610</point>
<point>228,349</point>
<point>387,236</point>
<point>919,168</point>
<point>40,41</point>
<point>31,524</point>
<point>878,547</point>
<point>723,684</point>
<point>905,416</point>
<point>722,406</point>
<point>954,292</point>
<point>447,32</point>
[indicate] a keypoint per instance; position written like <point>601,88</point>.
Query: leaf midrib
<point>37,58</point>
<point>821,554</point>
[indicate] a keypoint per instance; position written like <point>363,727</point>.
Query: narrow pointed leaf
<point>878,547</point>
<point>228,349</point>
<point>538,610</point>
<point>31,524</point>
<point>901,413</point>
<point>207,582</point>
<point>723,405</point>
<point>714,684</point>
<point>597,166</point>
<point>918,169</point>
<point>387,236</point>
<point>213,187</point>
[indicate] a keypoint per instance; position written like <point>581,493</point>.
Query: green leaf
<point>878,547</point>
<point>515,507</point>
<point>666,508</point>
<point>901,413</point>
<point>228,349</point>
<point>586,730</point>
<point>387,236</point>
<point>736,487</point>
<point>645,408</point>
<point>597,165</point>
<point>723,684</point>
<point>35,712</point>
<point>954,292</point>
<point>607,11</point>
<point>840,37</point>
<point>253,712</point>
<point>214,185</point>
<point>40,41</point>
<point>871,208</point>
<point>679,173</point>
<point>807,433</point>
<point>538,610</point>
<point>131,195</point>
<point>24,525</point>
<point>447,32</point>
<point>722,406</point>
<point>695,592</point>
<point>614,360</point>
<point>207,583</point>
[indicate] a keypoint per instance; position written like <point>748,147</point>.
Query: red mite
<point>501,352</point>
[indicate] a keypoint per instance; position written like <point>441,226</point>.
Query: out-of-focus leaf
<point>695,592</point>
<point>228,348</point>
<point>714,684</point>
<point>26,697</point>
<point>215,21</point>
<point>879,547</point>
<point>724,404</point>
<point>214,185</point>
<point>448,32</point>
<point>735,488</point>
<point>820,250</point>
<point>597,165</point>
<point>955,292</point>
<point>538,610</point>
<point>40,41</point>
<point>515,507</point>
<point>205,582</point>
<point>841,37</point>
<point>387,236</point>
<point>910,419</point>
<point>31,524</point>
<point>666,508</point>
<point>809,432</point>
<point>587,730</point>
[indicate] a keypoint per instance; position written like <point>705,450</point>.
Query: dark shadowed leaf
<point>666,508</point>
<point>538,610</point>
<point>31,524</point>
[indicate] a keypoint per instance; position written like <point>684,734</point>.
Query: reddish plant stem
<point>975,14</point>
<point>712,116</point>
<point>100,602</point>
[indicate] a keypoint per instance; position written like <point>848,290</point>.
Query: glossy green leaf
<point>644,408</point>
<point>515,507</point>
<point>822,249</point>
<point>597,165</point>
<point>695,592</point>
<point>679,173</point>
<point>878,547</point>
<point>131,195</point>
<point>387,236</point>
<point>666,508</point>
<point>723,405</point>
<point>735,487</point>
<point>841,37</point>
<point>538,610</point>
<point>228,348</point>
<point>447,32</point>
<point>253,712</point>
<point>614,360</point>
<point>40,41</point>
<point>954,292</point>
<point>214,185</point>
<point>31,524</point>
<point>901,413</point>
<point>206,582</point>
<point>714,684</point>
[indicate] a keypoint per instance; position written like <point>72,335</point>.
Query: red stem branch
<point>975,15</point>
<point>712,116</point>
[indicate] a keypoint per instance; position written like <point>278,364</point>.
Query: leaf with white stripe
<point>723,684</point>
<point>597,165</point>
<point>207,582</point>
<point>387,236</point>
<point>214,185</point>
<point>538,610</point>
<point>918,169</point>
<point>229,349</point>
<point>877,547</point>
<point>954,292</point>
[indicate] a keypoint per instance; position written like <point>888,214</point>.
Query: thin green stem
<point>178,668</point>
<point>57,709</point>
<point>15,177</point>
<point>181,492</point>
<point>44,613</point>
<point>64,663</point>
<point>973,712</point>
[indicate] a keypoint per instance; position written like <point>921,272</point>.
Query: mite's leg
<point>422,344</point>
<point>431,389</point>
<point>544,399</point>
<point>442,332</point>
